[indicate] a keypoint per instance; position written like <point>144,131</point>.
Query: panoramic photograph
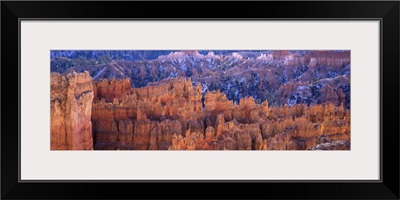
<point>200,100</point>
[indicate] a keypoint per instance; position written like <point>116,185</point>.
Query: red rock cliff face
<point>169,115</point>
<point>144,118</point>
<point>251,126</point>
<point>71,98</point>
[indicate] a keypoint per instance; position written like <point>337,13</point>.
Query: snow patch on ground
<point>98,73</point>
<point>205,87</point>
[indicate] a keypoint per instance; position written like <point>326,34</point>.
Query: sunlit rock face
<point>169,115</point>
<point>280,100</point>
<point>71,98</point>
<point>145,118</point>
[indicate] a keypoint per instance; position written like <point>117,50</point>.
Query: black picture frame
<point>386,11</point>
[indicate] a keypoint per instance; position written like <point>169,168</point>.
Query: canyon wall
<point>314,58</point>
<point>251,126</point>
<point>71,98</point>
<point>169,115</point>
<point>172,114</point>
<point>144,118</point>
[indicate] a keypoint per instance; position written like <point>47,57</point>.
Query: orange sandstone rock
<point>168,115</point>
<point>71,98</point>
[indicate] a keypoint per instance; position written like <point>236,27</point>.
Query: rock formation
<point>237,74</point>
<point>144,118</point>
<point>280,100</point>
<point>71,98</point>
<point>169,115</point>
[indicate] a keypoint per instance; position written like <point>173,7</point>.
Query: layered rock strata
<point>71,98</point>
<point>169,115</point>
<point>173,115</point>
<point>144,118</point>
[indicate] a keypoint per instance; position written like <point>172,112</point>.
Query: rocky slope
<point>275,100</point>
<point>71,98</point>
<point>281,77</point>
